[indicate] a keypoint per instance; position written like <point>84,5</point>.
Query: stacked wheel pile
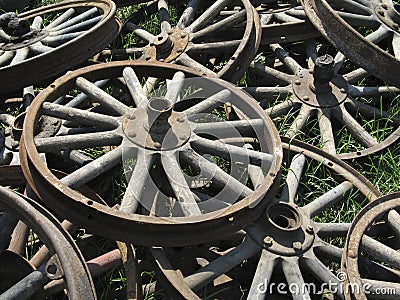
<point>202,140</point>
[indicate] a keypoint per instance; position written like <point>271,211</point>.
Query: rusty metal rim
<point>115,223</point>
<point>174,278</point>
<point>66,55</point>
<point>364,219</point>
<point>50,231</point>
<point>344,37</point>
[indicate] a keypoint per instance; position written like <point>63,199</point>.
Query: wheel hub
<point>285,231</point>
<point>19,31</point>
<point>320,87</point>
<point>389,15</point>
<point>157,126</point>
<point>167,46</point>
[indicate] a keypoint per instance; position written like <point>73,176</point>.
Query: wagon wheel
<point>283,22</point>
<point>15,236</point>
<point>298,240</point>
<point>205,38</point>
<point>20,280</point>
<point>314,93</point>
<point>366,31</point>
<point>166,150</point>
<point>374,237</point>
<point>45,42</point>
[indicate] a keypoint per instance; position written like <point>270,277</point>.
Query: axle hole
<point>159,104</point>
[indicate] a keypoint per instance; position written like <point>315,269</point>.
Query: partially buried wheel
<point>366,31</point>
<point>292,251</point>
<point>183,177</point>
<point>45,42</point>
<point>374,238</point>
<point>216,38</point>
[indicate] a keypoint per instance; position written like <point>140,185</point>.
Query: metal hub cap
<point>320,87</point>
<point>157,127</point>
<point>167,46</point>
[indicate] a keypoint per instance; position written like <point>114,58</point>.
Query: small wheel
<point>366,31</point>
<point>181,170</point>
<point>294,246</point>
<point>214,38</point>
<point>283,22</point>
<point>19,278</point>
<point>314,93</point>
<point>373,240</point>
<point>42,43</point>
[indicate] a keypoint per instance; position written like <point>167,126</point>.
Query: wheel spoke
<point>262,92</point>
<point>82,117</point>
<point>143,34</point>
<point>394,222</point>
<point>215,47</point>
<point>285,58</point>
<point>332,229</point>
<point>353,6</point>
<point>294,277</point>
<point>222,264</point>
<point>325,127</point>
<point>208,104</point>
<point>78,141</point>
<point>75,20</point>
<point>229,128</point>
<point>380,251</point>
<point>177,180</point>
<point>93,169</point>
<point>222,25</point>
<point>39,48</point>
<point>232,188</point>
<point>34,281</point>
<point>300,122</point>
<point>57,40</point>
<point>137,182</point>
<point>328,199</point>
<point>358,132</point>
<point>270,73</point>
<point>61,19</point>
<point>77,27</point>
<point>175,87</point>
<point>323,274</point>
<point>163,12</point>
<point>97,94</point>
<point>188,14</point>
<point>207,16</point>
<point>231,152</point>
<point>134,86</point>
<point>355,76</point>
<point>371,112</point>
<point>396,45</point>
<point>187,61</point>
<point>292,182</point>
<point>372,91</point>
<point>282,108</point>
<point>6,57</point>
<point>262,277</point>
<point>378,35</point>
<point>20,56</point>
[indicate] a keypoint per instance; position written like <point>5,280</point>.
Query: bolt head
<point>157,145</point>
<point>297,246</point>
<point>310,229</point>
<point>343,90</point>
<point>385,6</point>
<point>179,50</point>
<point>268,241</point>
<point>297,82</point>
<point>353,253</point>
<point>396,26</point>
<point>306,98</point>
<point>161,60</point>
<point>180,119</point>
<point>183,35</point>
<point>182,137</point>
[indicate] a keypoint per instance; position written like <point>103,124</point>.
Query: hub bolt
<point>310,229</point>
<point>268,241</point>
<point>297,246</point>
